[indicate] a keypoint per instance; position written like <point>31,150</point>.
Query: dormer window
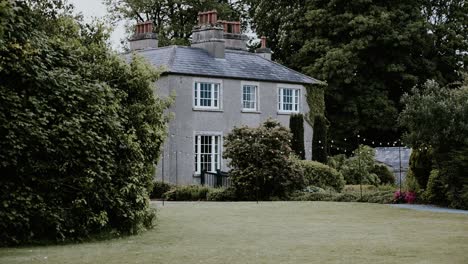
<point>206,95</point>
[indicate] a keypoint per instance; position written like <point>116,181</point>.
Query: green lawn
<point>274,232</point>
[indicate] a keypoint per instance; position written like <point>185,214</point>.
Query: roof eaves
<point>301,74</point>
<point>234,77</point>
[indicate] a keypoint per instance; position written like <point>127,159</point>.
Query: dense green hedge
<point>159,188</point>
<point>80,129</point>
<point>382,197</point>
<point>320,139</point>
<point>321,175</point>
<point>228,194</point>
<point>296,125</point>
<point>187,193</point>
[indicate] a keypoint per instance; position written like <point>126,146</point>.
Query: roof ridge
<point>172,56</point>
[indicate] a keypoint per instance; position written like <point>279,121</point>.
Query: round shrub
<point>384,174</point>
<point>321,175</point>
<point>262,161</point>
<point>159,188</point>
<point>228,194</point>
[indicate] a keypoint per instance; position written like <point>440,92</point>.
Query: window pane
<point>195,95</point>
<point>249,96</point>
<point>208,147</point>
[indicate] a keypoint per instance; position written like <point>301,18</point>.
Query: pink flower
<point>410,197</point>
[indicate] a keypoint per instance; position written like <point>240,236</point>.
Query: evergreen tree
<point>320,138</point>
<point>296,125</point>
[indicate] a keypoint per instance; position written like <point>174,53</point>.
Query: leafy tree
<point>260,161</point>
<point>320,139</point>
<point>80,129</point>
<point>437,116</point>
<point>173,19</point>
<point>282,22</point>
<point>369,52</point>
<point>296,125</point>
<point>447,39</point>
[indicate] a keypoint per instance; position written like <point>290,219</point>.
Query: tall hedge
<point>296,125</point>
<point>420,163</point>
<point>320,138</point>
<point>80,129</point>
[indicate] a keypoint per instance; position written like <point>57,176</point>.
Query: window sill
<point>245,111</point>
<point>287,112</point>
<point>206,109</point>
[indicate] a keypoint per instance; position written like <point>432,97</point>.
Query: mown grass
<point>274,232</point>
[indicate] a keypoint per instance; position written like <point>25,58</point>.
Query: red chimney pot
<point>263,41</point>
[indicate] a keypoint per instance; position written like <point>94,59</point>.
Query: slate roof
<point>236,65</point>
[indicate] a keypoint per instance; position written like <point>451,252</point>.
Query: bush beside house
<point>262,162</point>
<point>296,125</point>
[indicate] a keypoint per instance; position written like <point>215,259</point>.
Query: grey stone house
<point>218,85</point>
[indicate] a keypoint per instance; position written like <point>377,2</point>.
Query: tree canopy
<point>437,117</point>
<point>80,128</point>
<point>173,19</point>
<point>369,52</point>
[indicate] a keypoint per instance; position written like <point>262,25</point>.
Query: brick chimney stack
<point>233,36</point>
<point>144,37</point>
<point>263,51</point>
<point>208,34</point>
<point>208,18</point>
<point>263,41</point>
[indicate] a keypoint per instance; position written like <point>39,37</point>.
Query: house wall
<point>176,164</point>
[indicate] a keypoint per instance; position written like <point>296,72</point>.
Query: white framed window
<point>206,95</point>
<point>250,97</point>
<point>289,99</point>
<point>207,152</point>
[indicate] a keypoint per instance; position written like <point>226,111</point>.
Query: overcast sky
<point>95,8</point>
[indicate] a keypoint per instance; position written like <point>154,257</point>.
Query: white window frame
<point>257,97</point>
<point>296,100</point>
<point>197,154</point>
<point>196,99</point>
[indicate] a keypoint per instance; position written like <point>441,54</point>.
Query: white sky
<point>95,8</point>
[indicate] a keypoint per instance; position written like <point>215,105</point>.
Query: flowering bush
<point>410,197</point>
<point>404,197</point>
<point>399,197</point>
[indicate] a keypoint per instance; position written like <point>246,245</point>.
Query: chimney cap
<point>207,17</point>
<point>144,30</point>
<point>263,42</point>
